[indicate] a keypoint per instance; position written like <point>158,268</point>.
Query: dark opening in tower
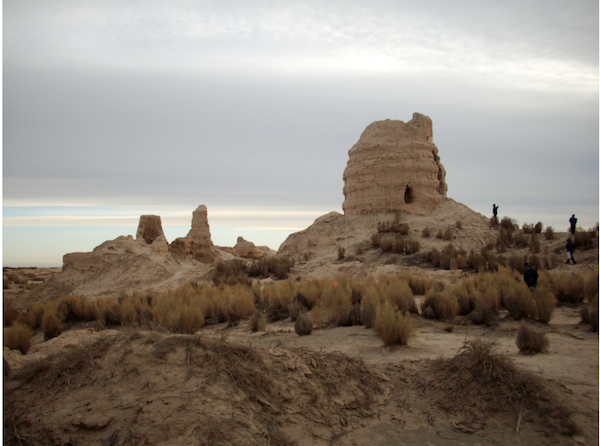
<point>408,195</point>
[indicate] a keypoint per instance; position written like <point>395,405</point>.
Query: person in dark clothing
<point>573,222</point>
<point>530,275</point>
<point>570,248</point>
<point>495,210</point>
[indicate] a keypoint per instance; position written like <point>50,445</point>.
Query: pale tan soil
<point>117,391</point>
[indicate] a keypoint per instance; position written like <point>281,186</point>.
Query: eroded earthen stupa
<point>394,166</point>
<point>197,243</point>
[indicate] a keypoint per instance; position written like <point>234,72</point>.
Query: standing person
<point>573,222</point>
<point>530,275</point>
<point>495,210</point>
<point>570,248</point>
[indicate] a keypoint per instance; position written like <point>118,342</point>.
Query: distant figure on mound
<point>495,210</point>
<point>573,222</point>
<point>530,275</point>
<point>570,248</point>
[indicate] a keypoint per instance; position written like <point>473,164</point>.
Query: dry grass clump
<point>494,223</point>
<point>18,337</point>
<point>519,301</point>
<point>444,235</point>
<point>440,305</point>
<point>51,325</point>
<point>258,322</point>
<point>396,290</point>
<point>531,341</point>
<point>545,303</point>
<point>335,302</point>
<point>584,239</point>
<point>12,315</point>
<point>303,325</point>
<point>589,314</point>
<point>418,284</point>
<point>479,381</point>
<point>449,258</point>
<point>277,298</point>
<point>590,286</point>
<point>231,272</point>
<point>568,288</point>
<point>549,233</point>
<point>393,227</point>
<point>393,326</point>
<point>239,302</point>
<point>426,233</point>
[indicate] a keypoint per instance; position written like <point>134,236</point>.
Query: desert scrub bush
<point>280,267</point>
<point>537,229</point>
<point>393,326</point>
<point>396,290</point>
<point>584,239</point>
<point>258,322</point>
<point>376,240</point>
<point>519,301</point>
<point>494,223</point>
<point>418,284</point>
<point>549,233</point>
<point>239,302</point>
<point>335,303</point>
<point>303,325</point>
<point>440,305</point>
<point>277,297</point>
<point>568,288</point>
<point>485,307</point>
<point>405,245</point>
<point>534,244</point>
<point>527,228</point>
<point>18,337</point>
<point>444,235</point>
<point>341,253</point>
<point>231,272</point>
<point>458,224</point>
<point>371,300</point>
<point>530,341</point>
<point>33,315</point>
<point>12,315</point>
<point>509,224</point>
<point>590,286</point>
<point>51,325</point>
<point>520,239</point>
<point>589,314</point>
<point>545,302</point>
<point>426,232</point>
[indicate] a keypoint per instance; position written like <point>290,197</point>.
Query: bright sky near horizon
<point>113,109</point>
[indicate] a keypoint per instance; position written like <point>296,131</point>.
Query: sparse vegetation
<point>530,341</point>
<point>18,337</point>
<point>392,325</point>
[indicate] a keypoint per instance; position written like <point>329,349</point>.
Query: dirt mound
<point>139,387</point>
<point>479,382</point>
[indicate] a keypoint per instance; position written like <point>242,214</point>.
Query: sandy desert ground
<point>338,386</point>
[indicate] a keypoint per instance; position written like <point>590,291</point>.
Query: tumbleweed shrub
<point>545,302</point>
<point>240,302</point>
<point>12,315</point>
<point>519,301</point>
<point>584,239</point>
<point>51,325</point>
<point>303,325</point>
<point>443,304</point>
<point>370,302</point>
<point>485,311</point>
<point>479,380</point>
<point>549,233</point>
<point>509,224</point>
<point>568,288</point>
<point>18,337</point>
<point>258,322</point>
<point>530,341</point>
<point>537,229</point>
<point>589,314</point>
<point>527,228</point>
<point>277,297</point>
<point>393,326</point>
<point>418,284</point>
<point>336,302</point>
<point>395,289</point>
<point>590,286</point>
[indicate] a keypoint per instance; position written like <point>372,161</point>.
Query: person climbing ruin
<point>570,249</point>
<point>573,222</point>
<point>530,275</point>
<point>495,210</point>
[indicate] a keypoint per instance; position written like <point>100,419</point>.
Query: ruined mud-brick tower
<point>394,166</point>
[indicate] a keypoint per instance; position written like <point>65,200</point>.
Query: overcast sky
<point>115,109</point>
